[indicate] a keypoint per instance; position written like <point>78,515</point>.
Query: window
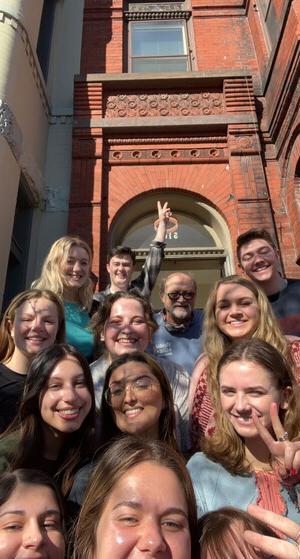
<point>159,46</point>
<point>45,35</point>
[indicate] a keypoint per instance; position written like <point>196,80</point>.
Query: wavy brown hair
<point>118,459</point>
<point>7,344</point>
<point>216,342</point>
<point>226,446</point>
<point>51,277</point>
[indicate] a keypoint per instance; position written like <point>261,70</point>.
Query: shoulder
<point>100,365</point>
<point>172,369</point>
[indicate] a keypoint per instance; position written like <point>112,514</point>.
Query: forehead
<point>78,252</point>
<point>127,307</point>
<point>40,304</point>
<point>233,291</point>
<point>244,373</point>
<point>134,485</point>
<point>254,245</point>
<point>121,258</point>
<point>131,370</point>
<point>67,368</point>
<point>21,499</point>
<point>179,282</point>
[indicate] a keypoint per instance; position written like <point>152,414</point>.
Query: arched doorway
<point>198,240</point>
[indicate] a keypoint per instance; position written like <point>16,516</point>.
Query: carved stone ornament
<point>189,103</point>
<point>178,154</point>
<point>156,7</point>
<point>9,128</point>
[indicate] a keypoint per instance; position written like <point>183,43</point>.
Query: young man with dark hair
<point>258,256</point>
<point>121,260</point>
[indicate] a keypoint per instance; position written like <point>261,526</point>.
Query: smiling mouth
<point>128,341</point>
<point>70,413</point>
<point>133,412</point>
<point>261,268</point>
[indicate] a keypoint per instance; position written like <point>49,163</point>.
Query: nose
<point>77,266</point>
<point>235,310</point>
<point>32,535</point>
<point>37,323</point>
<point>241,402</point>
<point>129,394</point>
<point>151,539</point>
<point>69,393</point>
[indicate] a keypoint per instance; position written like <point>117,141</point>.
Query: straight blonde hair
<point>51,277</point>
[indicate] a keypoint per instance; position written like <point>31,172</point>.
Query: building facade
<point>40,48</point>
<point>196,103</point>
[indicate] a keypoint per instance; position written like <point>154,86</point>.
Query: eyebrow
<point>133,379</point>
<point>23,512</point>
<point>137,506</point>
<point>248,388</point>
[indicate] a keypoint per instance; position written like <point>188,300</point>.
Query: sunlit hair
<point>221,534</point>
<point>216,342</point>
<point>103,314</point>
<point>28,425</point>
<point>165,280</point>
<point>226,446</point>
<point>7,344</point>
<point>252,235</point>
<point>116,462</point>
<point>167,417</point>
<point>11,480</point>
<point>51,276</point>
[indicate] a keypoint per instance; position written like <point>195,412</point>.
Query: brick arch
<point>189,202</point>
<point>291,188</point>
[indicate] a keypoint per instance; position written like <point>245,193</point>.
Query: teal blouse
<point>77,332</point>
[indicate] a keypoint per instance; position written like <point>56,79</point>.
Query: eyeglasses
<point>187,295</point>
<point>115,394</point>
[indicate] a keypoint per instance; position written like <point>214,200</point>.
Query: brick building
<point>193,102</point>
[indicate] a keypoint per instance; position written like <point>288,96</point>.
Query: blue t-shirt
<point>77,333</point>
<point>183,345</point>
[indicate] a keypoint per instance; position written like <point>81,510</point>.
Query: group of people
<point>132,433</point>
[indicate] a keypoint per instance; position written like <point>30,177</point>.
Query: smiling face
<point>259,260</point>
<point>120,269</point>
<point>30,525</point>
<point>35,326</point>
<point>66,401</point>
<point>236,311</point>
<point>76,268</point>
<point>136,399</point>
<point>178,308</point>
<point>126,330</point>
<point>146,515</point>
<point>247,389</point>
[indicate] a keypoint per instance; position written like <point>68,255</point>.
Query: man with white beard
<point>180,326</point>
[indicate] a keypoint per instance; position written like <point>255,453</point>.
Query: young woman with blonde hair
<point>33,321</point>
<point>66,271</point>
<point>253,455</point>
<point>236,310</point>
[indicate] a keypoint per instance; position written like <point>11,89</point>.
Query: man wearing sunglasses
<point>180,325</point>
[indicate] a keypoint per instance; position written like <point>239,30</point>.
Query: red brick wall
<point>252,184</point>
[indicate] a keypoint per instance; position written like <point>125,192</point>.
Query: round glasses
<point>115,394</point>
<point>187,295</point>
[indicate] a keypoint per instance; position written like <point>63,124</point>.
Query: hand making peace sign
<point>284,452</point>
